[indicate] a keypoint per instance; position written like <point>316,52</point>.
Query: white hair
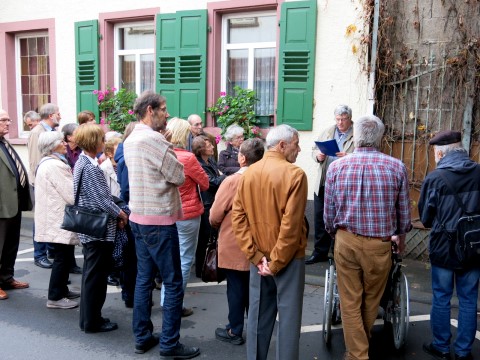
<point>232,131</point>
<point>48,141</point>
<point>281,132</point>
<point>368,131</point>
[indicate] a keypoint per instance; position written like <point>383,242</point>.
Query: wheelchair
<point>395,302</point>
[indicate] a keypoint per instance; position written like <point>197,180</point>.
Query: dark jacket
<point>122,174</point>
<point>214,179</point>
<point>228,160</point>
<point>438,209</point>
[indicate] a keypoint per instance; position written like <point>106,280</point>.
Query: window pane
<point>147,72</point>
<point>136,37</point>
<point>127,71</point>
<point>237,69</point>
<point>264,80</point>
<point>251,29</point>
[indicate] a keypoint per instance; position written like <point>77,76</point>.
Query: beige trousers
<point>363,264</point>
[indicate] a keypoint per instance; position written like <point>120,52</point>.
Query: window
<point>32,75</point>
<point>134,56</point>
<point>248,56</point>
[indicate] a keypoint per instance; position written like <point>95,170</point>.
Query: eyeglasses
<point>197,124</point>
<point>5,120</point>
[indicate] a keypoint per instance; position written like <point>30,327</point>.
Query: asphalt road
<point>31,331</point>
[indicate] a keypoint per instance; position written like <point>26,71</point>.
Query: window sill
<point>18,141</point>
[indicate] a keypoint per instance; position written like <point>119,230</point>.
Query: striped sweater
<point>154,175</point>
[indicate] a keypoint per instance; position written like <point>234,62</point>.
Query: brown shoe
<point>15,284</point>
<point>3,295</point>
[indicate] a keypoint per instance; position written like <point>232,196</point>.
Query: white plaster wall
<point>338,79</point>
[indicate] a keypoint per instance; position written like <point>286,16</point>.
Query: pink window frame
<point>8,31</point>
<point>215,12</point>
<point>107,23</point>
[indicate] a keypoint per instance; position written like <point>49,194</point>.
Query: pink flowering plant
<point>116,107</point>
<point>237,109</point>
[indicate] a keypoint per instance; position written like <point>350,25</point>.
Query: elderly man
<point>342,133</point>
<point>438,209</point>
<point>196,128</point>
<point>50,119</point>
<point>31,119</point>
<point>14,198</point>
<point>154,175</point>
<point>270,228</point>
<point>366,203</point>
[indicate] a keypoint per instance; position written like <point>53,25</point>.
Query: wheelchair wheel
<point>328,303</point>
<point>400,311</point>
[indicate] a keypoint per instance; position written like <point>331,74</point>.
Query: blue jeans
<point>187,237</point>
<point>466,283</point>
<point>157,248</point>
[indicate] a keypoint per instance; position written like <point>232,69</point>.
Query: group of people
<point>177,195</point>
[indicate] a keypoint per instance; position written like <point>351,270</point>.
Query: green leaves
<point>116,107</point>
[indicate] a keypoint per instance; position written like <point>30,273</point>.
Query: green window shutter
<point>296,64</point>
<point>181,61</point>
<point>87,65</point>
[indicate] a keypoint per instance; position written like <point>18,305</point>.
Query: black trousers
<point>203,236</point>
<point>9,241</point>
<point>58,289</point>
<point>96,266</point>
<point>238,283</point>
<point>322,237</point>
<point>129,272</point>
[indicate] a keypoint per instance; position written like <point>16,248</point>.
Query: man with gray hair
<point>456,174</point>
<point>31,119</point>
<point>342,133</point>
<point>366,204</point>
<point>50,119</point>
<point>196,128</point>
<point>272,233</point>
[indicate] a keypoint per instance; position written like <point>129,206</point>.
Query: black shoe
<point>75,270</point>
<point>112,281</point>
<point>437,354</point>
<point>226,335</point>
<point>44,263</point>
<point>180,352</point>
<point>147,345</point>
<point>315,258</point>
<point>129,304</point>
<point>187,312</point>
<point>466,357</point>
<point>105,327</point>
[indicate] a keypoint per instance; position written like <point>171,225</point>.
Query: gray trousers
<point>282,293</point>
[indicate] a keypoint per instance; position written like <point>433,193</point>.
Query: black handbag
<point>84,220</point>
<point>210,270</point>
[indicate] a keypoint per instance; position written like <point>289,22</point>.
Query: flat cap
<point>446,137</point>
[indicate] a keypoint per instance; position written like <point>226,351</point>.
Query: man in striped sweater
<point>154,175</point>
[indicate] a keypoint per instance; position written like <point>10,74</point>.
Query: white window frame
<point>136,52</point>
<point>251,47</point>
<point>18,79</point>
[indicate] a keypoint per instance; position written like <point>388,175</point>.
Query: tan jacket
<point>328,134</point>
<point>268,211</point>
<point>53,190</point>
<point>229,254</point>
<point>34,155</point>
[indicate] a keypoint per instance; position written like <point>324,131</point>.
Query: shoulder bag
<point>210,270</point>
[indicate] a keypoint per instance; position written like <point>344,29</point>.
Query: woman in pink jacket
<point>195,179</point>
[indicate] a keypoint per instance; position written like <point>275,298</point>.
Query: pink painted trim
<point>215,12</point>
<point>107,22</point>
<point>7,47</point>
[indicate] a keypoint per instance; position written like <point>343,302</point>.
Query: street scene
<point>32,331</point>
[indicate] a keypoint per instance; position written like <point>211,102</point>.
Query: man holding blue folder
<point>342,133</point>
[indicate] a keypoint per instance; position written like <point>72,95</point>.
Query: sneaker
<point>180,352</point>
<point>72,294</point>
<point>227,336</point>
<point>147,345</point>
<point>62,304</point>
<point>437,354</point>
<point>187,312</point>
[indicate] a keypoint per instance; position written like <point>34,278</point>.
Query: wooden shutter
<point>296,64</point>
<point>181,61</point>
<point>87,65</point>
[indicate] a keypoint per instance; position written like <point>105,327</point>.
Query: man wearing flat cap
<point>438,209</point>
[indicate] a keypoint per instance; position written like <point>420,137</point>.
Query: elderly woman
<point>228,158</point>
<point>192,206</point>
<point>54,190</point>
<point>73,151</point>
<point>230,257</point>
<point>109,166</point>
<point>203,150</point>
<point>94,193</point>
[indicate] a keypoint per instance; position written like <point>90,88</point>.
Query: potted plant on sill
<point>237,109</point>
<point>116,107</point>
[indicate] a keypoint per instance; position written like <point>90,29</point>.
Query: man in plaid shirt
<point>366,203</point>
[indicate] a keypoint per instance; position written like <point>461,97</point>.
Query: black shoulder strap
<point>450,186</point>
<point>77,195</point>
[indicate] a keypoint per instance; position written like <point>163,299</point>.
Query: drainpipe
<point>373,62</point>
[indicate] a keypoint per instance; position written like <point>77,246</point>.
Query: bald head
<point>195,124</point>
